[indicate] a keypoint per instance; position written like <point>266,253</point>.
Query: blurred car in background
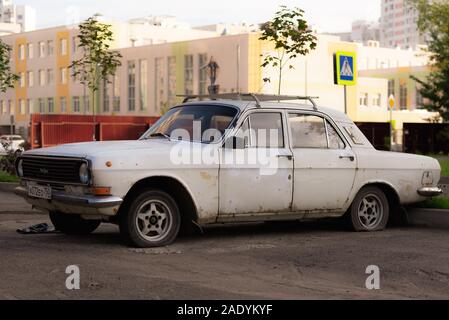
<point>14,141</point>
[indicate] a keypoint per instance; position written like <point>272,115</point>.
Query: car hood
<point>92,149</point>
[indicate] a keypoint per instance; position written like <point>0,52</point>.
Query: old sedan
<point>226,159</point>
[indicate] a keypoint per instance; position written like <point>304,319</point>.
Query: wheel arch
<point>171,186</point>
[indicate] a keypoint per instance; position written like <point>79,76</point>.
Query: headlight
<point>84,173</point>
<point>20,168</point>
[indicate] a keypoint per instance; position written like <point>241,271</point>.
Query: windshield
<point>200,123</point>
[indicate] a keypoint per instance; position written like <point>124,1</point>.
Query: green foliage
<point>291,37</point>
<point>7,161</point>
<point>435,203</point>
<point>98,63</point>
<point>434,22</point>
<point>6,177</point>
<point>7,78</point>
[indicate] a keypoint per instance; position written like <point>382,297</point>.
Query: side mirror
<point>235,143</point>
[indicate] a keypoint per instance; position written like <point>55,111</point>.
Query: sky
<point>324,15</point>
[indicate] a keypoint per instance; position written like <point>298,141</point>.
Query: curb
<point>8,186</point>
<point>437,218</point>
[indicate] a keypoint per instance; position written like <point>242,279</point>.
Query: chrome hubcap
<point>153,220</point>
<point>370,211</point>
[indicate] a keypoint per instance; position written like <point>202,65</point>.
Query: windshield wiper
<point>160,134</point>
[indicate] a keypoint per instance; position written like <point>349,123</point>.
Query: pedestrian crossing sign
<point>345,68</point>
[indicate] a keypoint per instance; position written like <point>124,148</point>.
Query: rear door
<point>324,164</point>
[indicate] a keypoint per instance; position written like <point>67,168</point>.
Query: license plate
<point>41,192</point>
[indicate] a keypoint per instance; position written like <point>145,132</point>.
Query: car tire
<point>370,210</point>
<point>153,220</point>
<point>73,224</point>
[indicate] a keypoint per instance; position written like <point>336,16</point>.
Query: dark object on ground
<point>40,228</point>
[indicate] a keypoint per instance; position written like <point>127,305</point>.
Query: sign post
<point>391,106</point>
<point>345,71</point>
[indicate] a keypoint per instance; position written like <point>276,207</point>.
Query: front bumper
<point>430,191</point>
<point>75,204</point>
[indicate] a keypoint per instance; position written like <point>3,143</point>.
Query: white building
<point>398,27</point>
<point>11,15</point>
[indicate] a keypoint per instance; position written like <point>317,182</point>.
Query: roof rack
<point>256,97</point>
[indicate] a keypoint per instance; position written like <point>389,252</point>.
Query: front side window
<point>205,123</point>
<point>266,130</point>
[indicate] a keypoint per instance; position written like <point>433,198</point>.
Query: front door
<point>258,177</point>
<point>325,165</point>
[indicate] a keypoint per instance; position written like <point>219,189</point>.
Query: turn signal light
<point>101,191</point>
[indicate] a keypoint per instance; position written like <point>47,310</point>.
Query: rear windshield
<point>355,135</point>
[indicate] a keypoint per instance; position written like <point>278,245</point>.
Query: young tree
<point>433,21</point>
<point>7,78</point>
<point>98,63</point>
<point>291,36</point>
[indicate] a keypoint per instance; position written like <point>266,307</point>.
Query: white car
<point>13,141</point>
<point>233,158</point>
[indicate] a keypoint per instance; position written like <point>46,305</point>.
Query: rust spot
<point>205,176</point>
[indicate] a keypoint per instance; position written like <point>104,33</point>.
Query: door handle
<point>352,158</point>
<point>289,157</point>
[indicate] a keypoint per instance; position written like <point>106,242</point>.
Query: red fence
<point>51,130</point>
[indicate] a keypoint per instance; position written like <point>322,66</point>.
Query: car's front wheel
<point>73,224</point>
<point>153,220</point>
<point>370,210</point>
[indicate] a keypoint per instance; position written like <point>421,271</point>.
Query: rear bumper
<point>430,192</point>
<point>68,203</point>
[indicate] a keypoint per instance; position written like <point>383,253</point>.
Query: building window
<point>4,109</point>
<point>50,47</point>
<point>30,50</point>
<point>30,106</point>
<point>105,94</point>
<point>419,99</point>
<point>376,99</point>
<point>11,107</point>
<point>202,74</point>
<point>391,87</point>
<point>51,105</point>
<point>188,74</point>
<point>63,75</point>
<point>131,85</point>
<point>41,49</point>
<point>42,78</point>
<point>116,93</point>
<point>363,100</point>
<point>22,107</point>
<point>86,104</point>
<point>21,52</point>
<point>171,88</point>
<point>50,76</point>
<point>63,47</point>
<point>403,96</point>
<point>22,80</point>
<point>143,90</point>
<point>159,83</point>
<point>63,104</point>
<point>76,105</point>
<point>30,79</point>
<point>41,105</point>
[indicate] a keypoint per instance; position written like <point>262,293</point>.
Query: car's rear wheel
<point>73,224</point>
<point>370,210</point>
<point>153,220</point>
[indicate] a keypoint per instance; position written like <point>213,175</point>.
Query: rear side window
<point>308,131</point>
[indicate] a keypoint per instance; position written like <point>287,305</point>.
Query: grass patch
<point>5,177</point>
<point>444,162</point>
<point>441,202</point>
